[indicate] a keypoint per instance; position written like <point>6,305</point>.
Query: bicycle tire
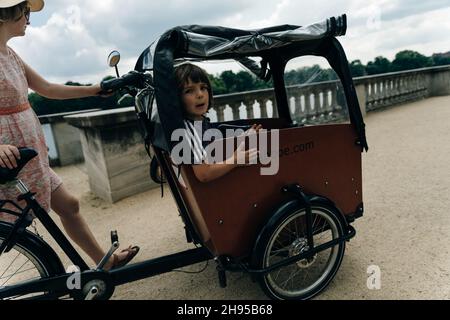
<point>38,252</point>
<point>269,285</point>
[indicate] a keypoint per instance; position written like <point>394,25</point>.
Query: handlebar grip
<point>112,85</point>
<point>132,78</point>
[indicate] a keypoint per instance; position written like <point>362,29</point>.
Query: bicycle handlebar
<point>132,78</point>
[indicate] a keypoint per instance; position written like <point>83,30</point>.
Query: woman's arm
<point>57,91</point>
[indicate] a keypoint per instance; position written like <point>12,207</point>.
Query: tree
<point>441,59</point>
<point>245,81</point>
<point>408,59</point>
<point>42,105</point>
<point>357,69</point>
<point>379,65</point>
<point>229,80</point>
<point>217,84</point>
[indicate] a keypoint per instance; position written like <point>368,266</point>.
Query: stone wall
<point>115,158</point>
<point>66,138</point>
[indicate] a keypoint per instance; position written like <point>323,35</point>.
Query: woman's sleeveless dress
<point>20,127</point>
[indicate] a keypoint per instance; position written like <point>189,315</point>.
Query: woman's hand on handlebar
<point>8,156</point>
<point>132,79</point>
<point>100,92</point>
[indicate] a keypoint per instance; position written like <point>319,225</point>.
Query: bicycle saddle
<point>26,154</point>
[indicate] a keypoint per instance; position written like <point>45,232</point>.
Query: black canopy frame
<point>275,45</point>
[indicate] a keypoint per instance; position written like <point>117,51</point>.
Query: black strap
<point>159,179</point>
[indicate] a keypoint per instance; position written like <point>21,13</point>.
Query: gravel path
<point>405,230</point>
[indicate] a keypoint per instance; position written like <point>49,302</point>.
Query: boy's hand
<point>244,157</point>
<point>254,129</point>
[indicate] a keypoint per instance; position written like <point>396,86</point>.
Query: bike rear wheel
<point>30,259</point>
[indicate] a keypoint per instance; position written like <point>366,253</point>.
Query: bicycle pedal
<point>114,247</point>
<point>92,293</point>
<point>114,236</point>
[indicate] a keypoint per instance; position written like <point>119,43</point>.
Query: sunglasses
<point>26,13</point>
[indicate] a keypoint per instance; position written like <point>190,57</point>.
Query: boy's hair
<point>13,13</point>
<point>188,71</point>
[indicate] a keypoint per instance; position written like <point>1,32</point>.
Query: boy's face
<point>195,97</point>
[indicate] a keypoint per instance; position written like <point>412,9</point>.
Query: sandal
<point>132,252</point>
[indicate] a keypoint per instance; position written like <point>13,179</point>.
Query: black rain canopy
<point>276,45</point>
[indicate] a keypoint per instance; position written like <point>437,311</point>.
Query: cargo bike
<point>286,230</point>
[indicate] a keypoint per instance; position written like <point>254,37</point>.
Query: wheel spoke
<point>275,252</point>
<point>292,275</point>
<point>314,223</point>
<point>1,276</point>
<point>14,273</point>
<point>25,262</point>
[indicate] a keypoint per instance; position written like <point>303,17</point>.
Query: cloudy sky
<point>71,39</point>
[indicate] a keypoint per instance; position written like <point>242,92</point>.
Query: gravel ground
<point>405,230</point>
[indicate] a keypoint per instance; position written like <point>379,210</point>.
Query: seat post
<point>21,187</point>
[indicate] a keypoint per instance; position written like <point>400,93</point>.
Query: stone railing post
<point>220,112</point>
<point>249,108</point>
<point>235,109</point>
<point>361,93</point>
<point>263,107</point>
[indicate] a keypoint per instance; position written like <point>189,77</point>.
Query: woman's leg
<point>67,208</point>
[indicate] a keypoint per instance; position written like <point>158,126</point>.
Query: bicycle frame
<point>58,284</point>
<point>25,219</point>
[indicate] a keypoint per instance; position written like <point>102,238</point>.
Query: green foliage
<point>230,82</point>
<point>379,65</point>
<point>309,75</point>
<point>407,59</point>
<point>357,69</point>
<point>441,59</point>
<point>218,85</point>
<point>42,105</point>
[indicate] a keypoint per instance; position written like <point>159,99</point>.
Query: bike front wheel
<point>30,259</point>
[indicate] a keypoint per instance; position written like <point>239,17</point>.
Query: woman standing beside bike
<point>20,127</point>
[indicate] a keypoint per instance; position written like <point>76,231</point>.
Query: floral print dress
<point>20,127</point>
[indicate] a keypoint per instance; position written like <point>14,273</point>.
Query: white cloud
<point>77,35</point>
<point>427,33</point>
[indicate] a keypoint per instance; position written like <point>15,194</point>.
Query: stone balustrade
<point>115,157</point>
<point>393,88</point>
<point>309,103</point>
<point>324,101</point>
